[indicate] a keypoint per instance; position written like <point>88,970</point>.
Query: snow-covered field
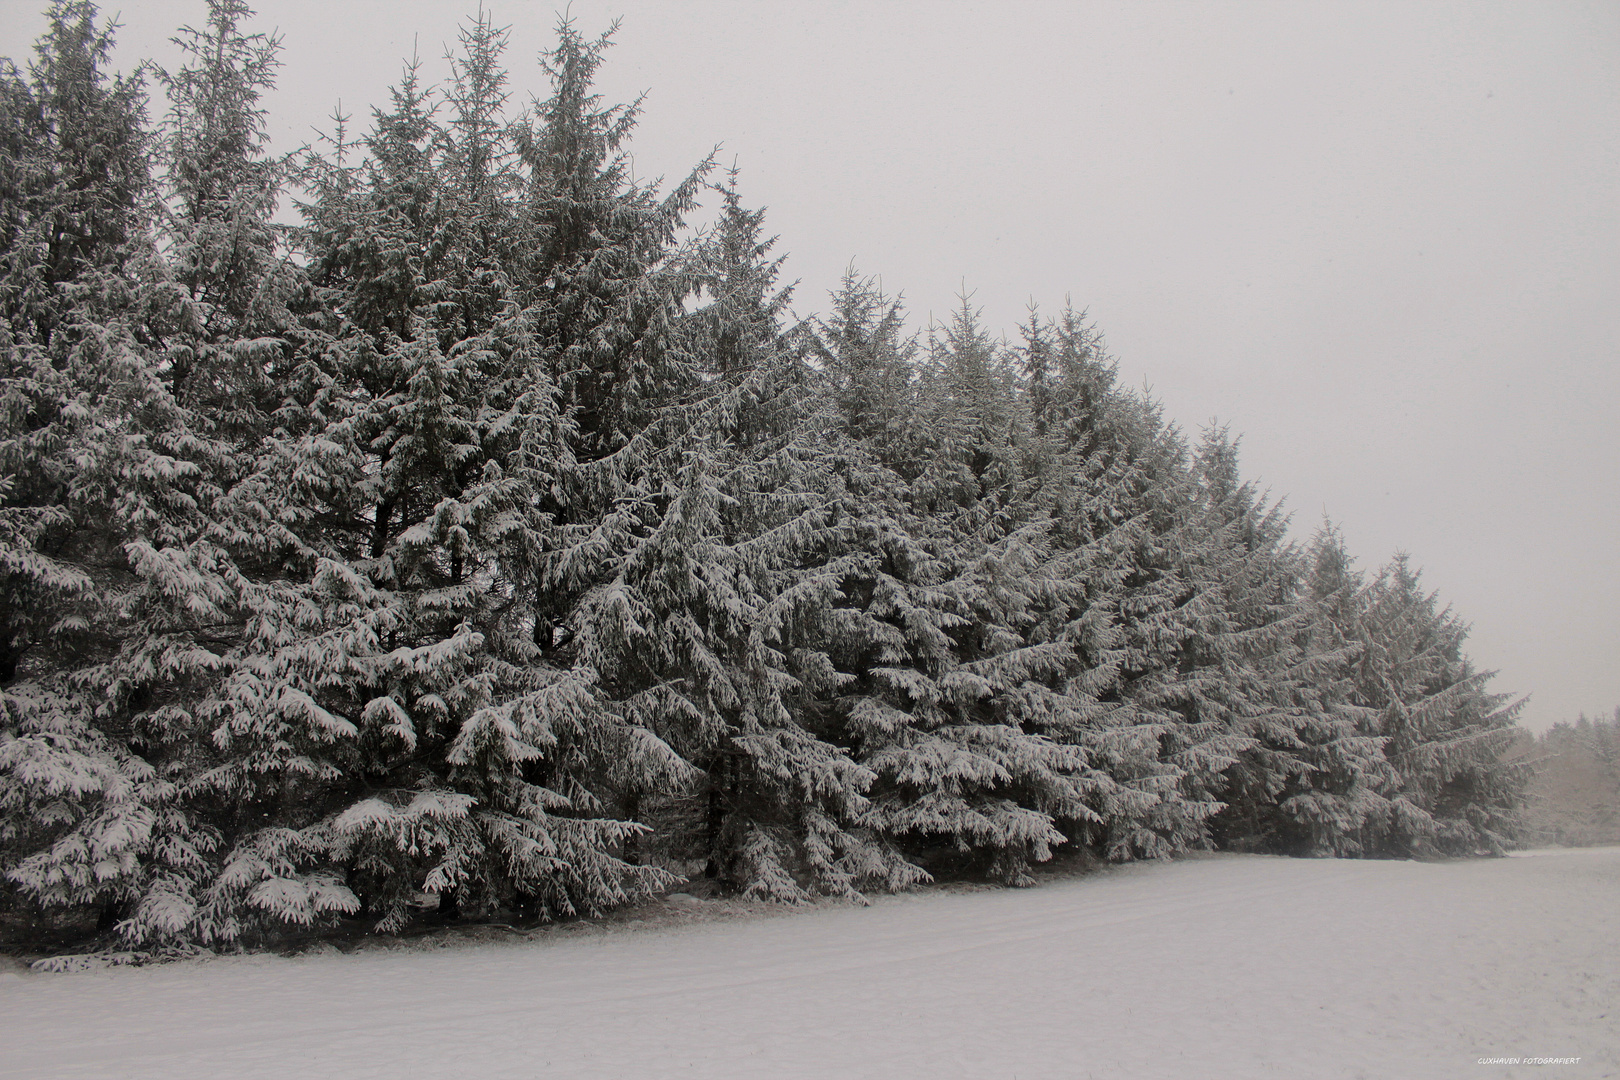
<point>1228,966</point>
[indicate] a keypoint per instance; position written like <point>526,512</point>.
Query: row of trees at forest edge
<point>493,533</point>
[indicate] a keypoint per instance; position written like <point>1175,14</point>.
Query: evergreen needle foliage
<point>492,535</point>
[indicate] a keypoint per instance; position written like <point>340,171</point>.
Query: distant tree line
<point>1573,795</point>
<point>493,534</point>
<point>1597,737</point>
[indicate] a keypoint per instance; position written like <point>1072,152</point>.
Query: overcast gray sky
<point>1380,240</point>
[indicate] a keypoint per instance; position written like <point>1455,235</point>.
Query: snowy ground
<point>1220,967</point>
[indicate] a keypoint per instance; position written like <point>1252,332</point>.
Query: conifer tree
<point>1113,480</point>
<point>106,473</point>
<point>1444,732</point>
<point>869,360</point>
<point>638,540</point>
<point>443,436</point>
<point>75,198</point>
<point>1343,799</point>
<point>716,590</point>
<point>975,422</point>
<point>948,661</point>
<point>208,705</point>
<point>232,284</point>
<point>1261,669</point>
<point>494,535</point>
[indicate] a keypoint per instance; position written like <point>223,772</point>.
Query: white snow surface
<point>1226,966</point>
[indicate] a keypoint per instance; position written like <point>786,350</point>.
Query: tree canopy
<point>491,536</point>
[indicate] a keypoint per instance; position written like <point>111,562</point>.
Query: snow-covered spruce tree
<point>729,587</point>
<point>1225,665</point>
<point>943,660</point>
<point>1224,652</point>
<point>230,317</point>
<point>869,364</point>
<point>431,465</point>
<point>576,509</point>
<point>647,576</point>
<point>106,472</point>
<point>1112,478</point>
<point>1259,674</point>
<point>1444,733</point>
<point>74,191</point>
<point>359,658</point>
<point>973,416</point>
<point>1327,808</point>
<point>1163,598</point>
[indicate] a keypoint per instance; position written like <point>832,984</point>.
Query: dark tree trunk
<point>715,817</point>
